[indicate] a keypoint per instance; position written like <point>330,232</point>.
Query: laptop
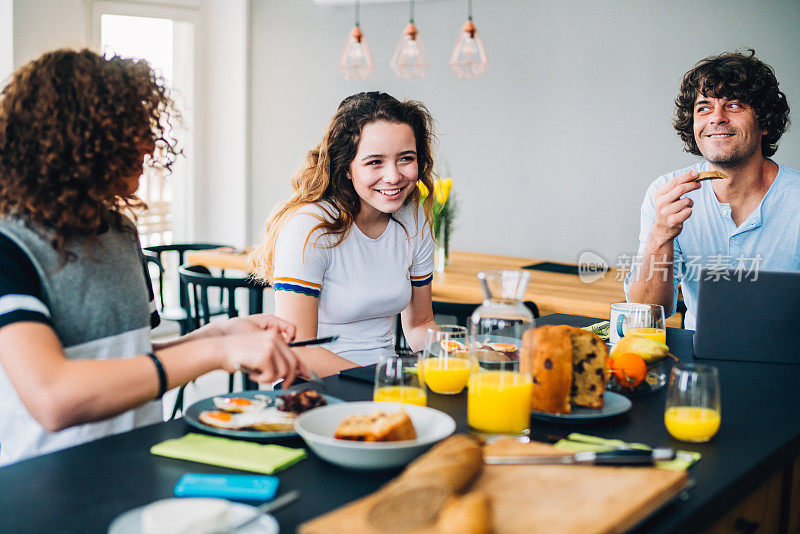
<point>753,317</point>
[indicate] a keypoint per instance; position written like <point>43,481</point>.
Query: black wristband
<point>162,374</point>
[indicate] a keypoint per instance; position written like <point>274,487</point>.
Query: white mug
<point>619,310</point>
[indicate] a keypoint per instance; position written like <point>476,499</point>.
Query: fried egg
<point>239,404</point>
<point>266,419</point>
<point>219,419</point>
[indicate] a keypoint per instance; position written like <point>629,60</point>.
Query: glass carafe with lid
<point>496,327</point>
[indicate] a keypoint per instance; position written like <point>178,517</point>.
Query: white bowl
<point>317,427</point>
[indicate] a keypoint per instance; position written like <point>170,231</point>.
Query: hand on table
<point>672,210</point>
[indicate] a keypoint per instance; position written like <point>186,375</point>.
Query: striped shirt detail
<point>12,303</point>
<point>423,280</point>
<point>283,283</point>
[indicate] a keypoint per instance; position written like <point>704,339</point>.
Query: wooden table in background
<point>552,292</point>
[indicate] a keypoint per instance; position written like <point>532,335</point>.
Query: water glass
<point>644,320</point>
<point>693,412</point>
<point>445,360</point>
<point>397,379</point>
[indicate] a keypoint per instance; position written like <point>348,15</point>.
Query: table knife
<point>265,508</point>
<point>630,457</point>
<point>313,341</point>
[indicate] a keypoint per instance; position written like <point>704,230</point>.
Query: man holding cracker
<point>738,208</point>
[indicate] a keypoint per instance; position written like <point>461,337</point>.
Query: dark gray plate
<point>192,415</point>
<point>614,404</point>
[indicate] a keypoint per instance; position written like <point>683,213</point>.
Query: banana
<point>650,350</point>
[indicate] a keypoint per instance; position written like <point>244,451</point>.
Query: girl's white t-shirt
<point>362,283</point>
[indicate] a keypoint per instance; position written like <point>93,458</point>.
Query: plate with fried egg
<point>254,414</point>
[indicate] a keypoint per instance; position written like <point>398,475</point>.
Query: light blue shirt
<point>768,240</point>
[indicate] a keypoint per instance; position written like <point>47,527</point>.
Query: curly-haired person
<point>76,308</point>
<point>729,111</point>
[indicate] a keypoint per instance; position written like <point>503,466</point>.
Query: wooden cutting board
<point>536,498</point>
<point>567,498</point>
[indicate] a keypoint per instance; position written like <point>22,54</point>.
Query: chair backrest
<point>196,281</point>
<point>179,249</point>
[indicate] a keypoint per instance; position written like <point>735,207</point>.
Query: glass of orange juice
<point>644,320</point>
<point>398,379</point>
<point>693,409</point>
<point>445,361</point>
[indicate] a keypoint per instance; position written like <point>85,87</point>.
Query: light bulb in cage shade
<point>356,61</point>
<point>469,57</point>
<point>410,59</point>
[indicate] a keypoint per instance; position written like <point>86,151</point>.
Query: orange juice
<point>692,423</point>
<point>446,375</point>
<point>499,402</point>
<point>656,334</point>
<point>406,394</point>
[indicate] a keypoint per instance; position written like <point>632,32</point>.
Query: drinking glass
<point>397,379</point>
<point>445,360</point>
<point>644,320</point>
<point>692,412</point>
<point>499,393</point>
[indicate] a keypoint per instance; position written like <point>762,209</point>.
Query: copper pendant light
<point>356,60</point>
<point>469,58</point>
<point>410,59</point>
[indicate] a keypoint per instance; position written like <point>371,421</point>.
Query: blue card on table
<point>235,487</point>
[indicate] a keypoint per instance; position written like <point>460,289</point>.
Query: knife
<point>265,508</point>
<point>313,341</point>
<point>631,457</point>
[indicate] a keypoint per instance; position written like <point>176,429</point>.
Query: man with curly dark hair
<point>76,309</point>
<point>729,111</point>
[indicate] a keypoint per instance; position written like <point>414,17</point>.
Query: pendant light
<point>469,57</point>
<point>356,61</point>
<point>410,60</point>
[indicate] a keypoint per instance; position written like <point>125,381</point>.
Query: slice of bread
<point>709,175</point>
<point>377,426</point>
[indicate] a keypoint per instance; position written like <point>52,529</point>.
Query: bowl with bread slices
<point>372,435</point>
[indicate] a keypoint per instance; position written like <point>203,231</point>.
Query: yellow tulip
<point>423,189</point>
<point>442,190</point>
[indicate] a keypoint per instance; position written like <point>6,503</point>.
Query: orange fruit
<point>629,369</point>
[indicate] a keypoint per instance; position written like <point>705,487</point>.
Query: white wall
<point>6,40</point>
<point>42,25</point>
<point>552,150</point>
<point>221,194</point>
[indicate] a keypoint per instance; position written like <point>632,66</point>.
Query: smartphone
<point>234,487</point>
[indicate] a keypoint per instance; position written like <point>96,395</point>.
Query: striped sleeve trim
<point>422,280</point>
<point>13,303</point>
<point>298,286</point>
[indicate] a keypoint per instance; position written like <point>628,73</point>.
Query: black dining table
<point>83,488</point>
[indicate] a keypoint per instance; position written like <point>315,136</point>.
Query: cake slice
<point>589,370</point>
<point>377,426</point>
<point>568,366</point>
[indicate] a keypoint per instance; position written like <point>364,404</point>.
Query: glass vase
<point>441,251</point>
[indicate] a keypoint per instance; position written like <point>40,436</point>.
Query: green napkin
<point>232,453</point>
<point>576,442</point>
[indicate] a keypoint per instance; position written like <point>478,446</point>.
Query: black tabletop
<point>82,489</point>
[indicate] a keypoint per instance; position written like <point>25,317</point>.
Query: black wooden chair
<point>197,285</point>
<point>179,312</point>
